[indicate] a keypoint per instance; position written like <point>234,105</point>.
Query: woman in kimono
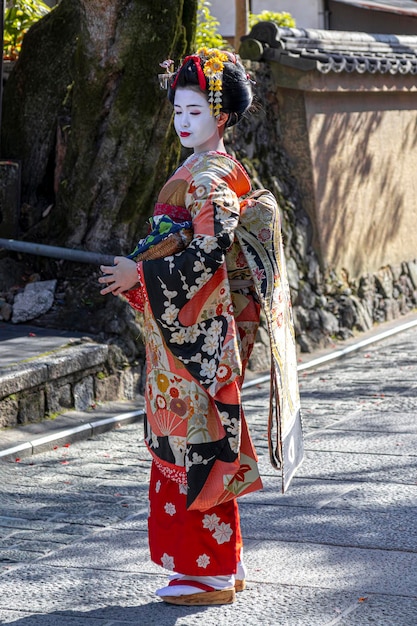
<point>201,314</point>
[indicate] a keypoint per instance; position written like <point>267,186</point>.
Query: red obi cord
<point>174,211</point>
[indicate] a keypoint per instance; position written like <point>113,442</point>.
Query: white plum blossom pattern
<point>192,334</point>
<point>179,336</point>
<point>203,279</point>
<point>211,344</point>
<point>170,314</point>
<point>223,533</point>
<point>203,560</point>
<point>216,327</point>
<point>211,521</point>
<point>170,508</point>
<point>208,244</point>
<point>168,561</point>
<point>158,486</point>
<point>198,266</point>
<point>196,459</point>
<point>224,418</point>
<point>208,368</point>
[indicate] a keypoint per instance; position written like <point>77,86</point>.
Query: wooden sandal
<point>208,596</point>
<point>240,585</point>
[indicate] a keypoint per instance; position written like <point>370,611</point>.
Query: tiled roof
<point>331,50</point>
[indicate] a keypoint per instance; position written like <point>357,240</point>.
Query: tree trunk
<point>84,114</point>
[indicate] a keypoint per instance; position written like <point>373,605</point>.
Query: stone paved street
<point>339,549</point>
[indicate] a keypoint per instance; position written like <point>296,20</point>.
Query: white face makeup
<point>194,124</point>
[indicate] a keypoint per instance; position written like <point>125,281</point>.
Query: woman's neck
<point>217,146</point>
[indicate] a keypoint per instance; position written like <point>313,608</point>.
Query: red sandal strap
<point>190,583</point>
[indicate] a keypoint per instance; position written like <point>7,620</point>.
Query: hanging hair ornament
<point>209,64</point>
<point>164,78</point>
<point>213,64</point>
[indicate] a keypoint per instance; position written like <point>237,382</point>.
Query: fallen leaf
<point>362,599</point>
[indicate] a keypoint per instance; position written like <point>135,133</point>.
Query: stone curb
<point>69,435</point>
<point>85,429</point>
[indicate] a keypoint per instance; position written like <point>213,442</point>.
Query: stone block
<point>306,297</point>
<point>260,359</point>
<point>131,380</point>
<point>107,388</point>
<point>328,322</point>
<point>9,408</point>
<point>75,359</point>
<point>412,270</point>
<point>301,319</point>
<point>36,299</point>
<point>384,281</point>
<point>21,377</point>
<point>6,311</point>
<point>31,406</point>
<point>84,394</point>
<point>58,397</point>
<point>293,274</point>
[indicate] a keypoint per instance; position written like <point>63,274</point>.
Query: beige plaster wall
<point>363,153</point>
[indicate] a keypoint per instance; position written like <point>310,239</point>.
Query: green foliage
<point>280,19</point>
<point>18,18</point>
<point>207,28</point>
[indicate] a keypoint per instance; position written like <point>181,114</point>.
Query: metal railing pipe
<point>56,252</point>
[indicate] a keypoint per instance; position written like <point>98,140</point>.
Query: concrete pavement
<point>339,549</point>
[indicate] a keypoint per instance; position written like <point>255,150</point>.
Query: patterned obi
<point>168,220</point>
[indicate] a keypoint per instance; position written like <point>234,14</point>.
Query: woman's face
<point>194,124</point>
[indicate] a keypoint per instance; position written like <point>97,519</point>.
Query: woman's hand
<point>119,277</point>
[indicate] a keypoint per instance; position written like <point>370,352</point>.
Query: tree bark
<point>84,114</point>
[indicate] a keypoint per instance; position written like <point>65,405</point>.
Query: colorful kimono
<point>201,315</point>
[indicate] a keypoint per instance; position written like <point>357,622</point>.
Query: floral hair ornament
<point>213,64</point>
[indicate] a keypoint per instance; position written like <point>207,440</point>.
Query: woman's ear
<point>221,120</point>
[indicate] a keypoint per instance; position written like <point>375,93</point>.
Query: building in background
<point>372,16</point>
<point>307,13</point>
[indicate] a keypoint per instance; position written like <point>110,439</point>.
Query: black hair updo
<point>236,90</point>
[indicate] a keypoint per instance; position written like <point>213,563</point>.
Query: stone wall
<point>328,303</point>
<point>78,377</point>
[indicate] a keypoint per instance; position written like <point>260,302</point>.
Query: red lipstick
<point>183,134</point>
